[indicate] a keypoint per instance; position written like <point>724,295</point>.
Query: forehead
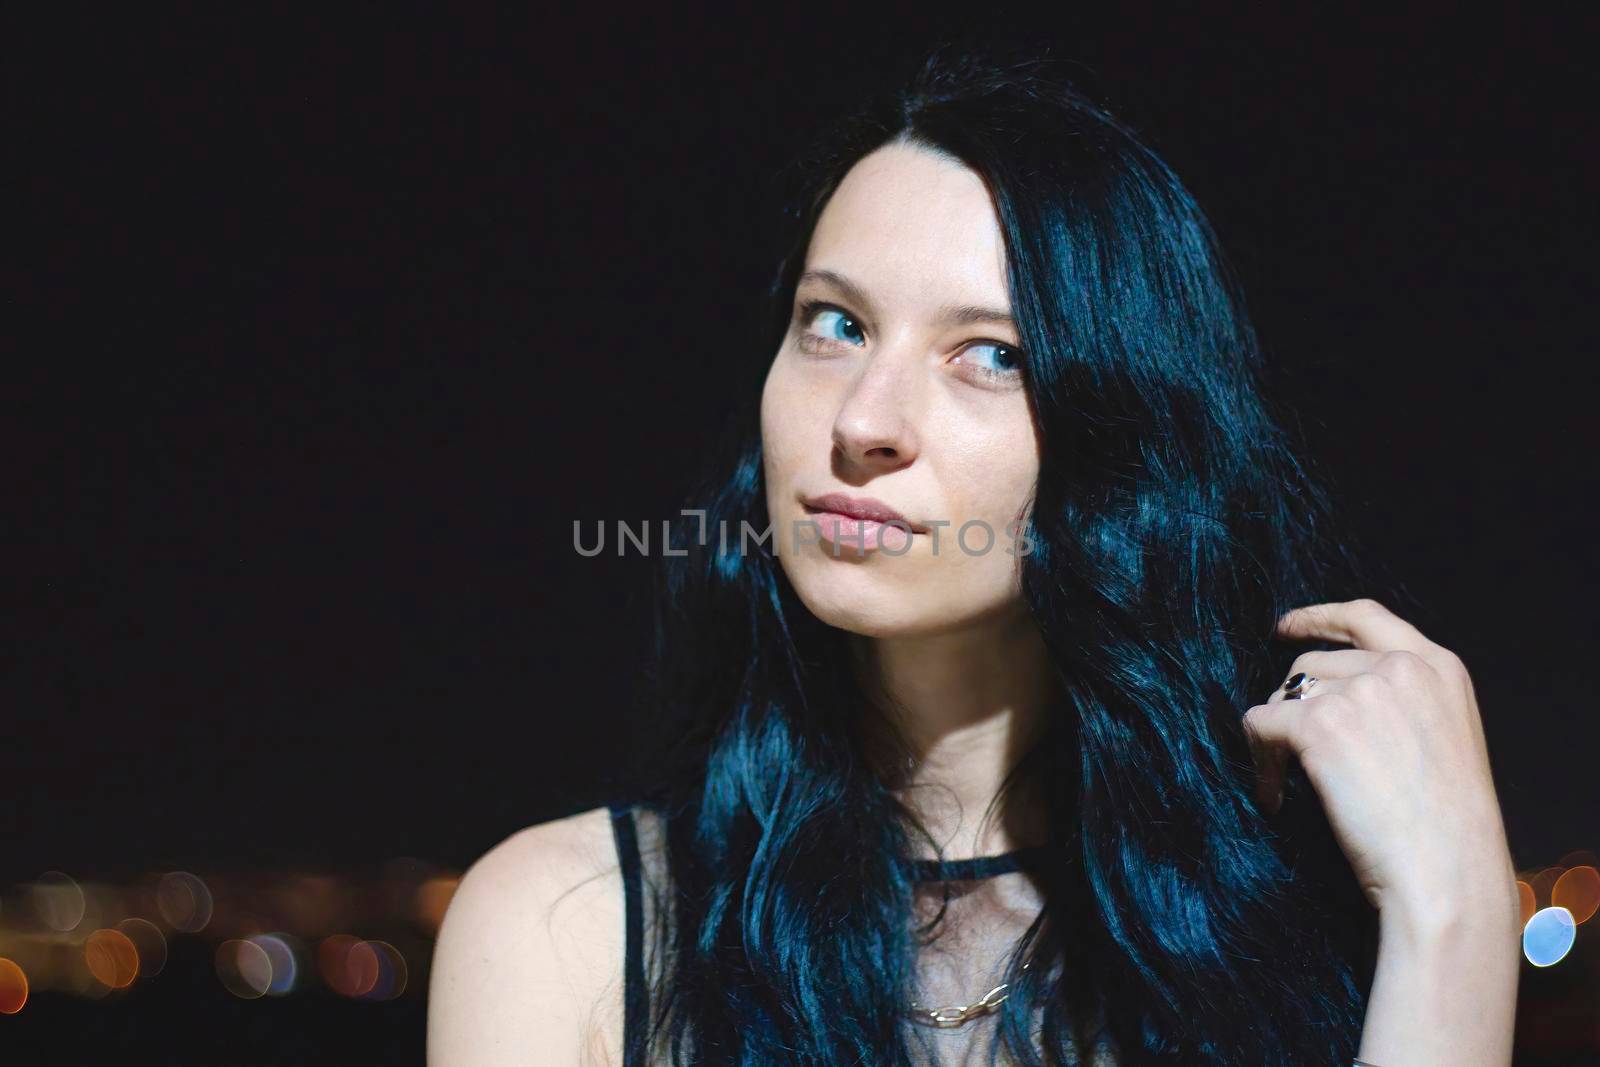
<point>914,227</point>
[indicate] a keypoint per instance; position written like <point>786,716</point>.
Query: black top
<point>980,867</point>
<point>636,1001</point>
<point>635,997</point>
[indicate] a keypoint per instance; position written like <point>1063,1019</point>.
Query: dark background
<point>323,334</point>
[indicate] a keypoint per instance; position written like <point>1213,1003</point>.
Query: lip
<point>859,507</point>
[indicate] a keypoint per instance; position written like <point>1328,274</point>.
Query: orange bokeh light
<point>433,897</point>
<point>1525,897</point>
<point>112,958</point>
<point>1542,882</point>
<point>333,960</point>
<point>1578,890</point>
<point>13,987</point>
<point>1579,857</point>
<point>362,966</point>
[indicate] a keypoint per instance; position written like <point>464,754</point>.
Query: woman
<point>1032,792</point>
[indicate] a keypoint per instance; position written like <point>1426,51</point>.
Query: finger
<point>1323,665</point>
<point>1275,731</point>
<point>1267,730</point>
<point>1364,623</point>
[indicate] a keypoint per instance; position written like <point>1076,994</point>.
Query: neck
<point>966,705</point>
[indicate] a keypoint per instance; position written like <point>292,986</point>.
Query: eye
<point>836,324</point>
<point>831,323</point>
<point>992,358</point>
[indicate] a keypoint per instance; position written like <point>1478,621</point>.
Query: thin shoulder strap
<point>635,998</point>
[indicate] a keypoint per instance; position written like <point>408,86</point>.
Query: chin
<point>858,596</point>
<point>853,595</point>
<point>852,619</point>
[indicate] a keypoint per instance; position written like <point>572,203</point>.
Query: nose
<point>874,431</point>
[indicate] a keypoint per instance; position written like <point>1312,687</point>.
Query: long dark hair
<point>1172,524</point>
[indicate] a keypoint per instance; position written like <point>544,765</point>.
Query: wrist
<point>1483,907</point>
<point>1478,891</point>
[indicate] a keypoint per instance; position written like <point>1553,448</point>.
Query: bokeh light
<point>1542,882</point>
<point>13,987</point>
<point>1526,899</point>
<point>57,901</point>
<point>184,901</point>
<point>433,897</point>
<point>268,934</point>
<point>333,961</point>
<point>1578,890</point>
<point>1548,936</point>
<point>72,974</point>
<point>1579,857</point>
<point>111,958</point>
<point>283,954</point>
<point>391,977</point>
<point>244,967</point>
<point>363,967</point>
<point>150,943</point>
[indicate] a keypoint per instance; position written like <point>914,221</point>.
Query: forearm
<point>1445,988</point>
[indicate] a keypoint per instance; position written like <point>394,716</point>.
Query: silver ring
<point>1296,686</point>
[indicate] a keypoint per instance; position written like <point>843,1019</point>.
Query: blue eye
<point>994,358</point>
<point>831,320</point>
<point>830,323</point>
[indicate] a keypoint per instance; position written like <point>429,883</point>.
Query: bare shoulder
<point>528,964</point>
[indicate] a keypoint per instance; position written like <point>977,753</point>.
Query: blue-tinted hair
<point>1173,523</point>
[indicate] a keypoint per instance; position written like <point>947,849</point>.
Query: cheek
<point>786,404</point>
<point>994,471</point>
<point>777,446</point>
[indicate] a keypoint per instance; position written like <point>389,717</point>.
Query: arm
<point>529,957</point>
<point>1391,738</point>
<point>1445,988</point>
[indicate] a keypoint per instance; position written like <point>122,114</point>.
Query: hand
<point>1391,739</point>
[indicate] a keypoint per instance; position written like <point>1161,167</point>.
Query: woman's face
<point>898,386</point>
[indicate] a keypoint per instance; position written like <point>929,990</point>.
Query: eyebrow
<point>960,314</point>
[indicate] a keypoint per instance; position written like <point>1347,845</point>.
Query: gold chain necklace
<point>954,1015</point>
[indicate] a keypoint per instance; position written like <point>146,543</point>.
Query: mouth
<point>861,523</point>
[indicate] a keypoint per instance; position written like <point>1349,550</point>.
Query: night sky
<point>322,334</point>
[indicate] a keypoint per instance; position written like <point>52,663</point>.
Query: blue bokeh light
<point>1548,936</point>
